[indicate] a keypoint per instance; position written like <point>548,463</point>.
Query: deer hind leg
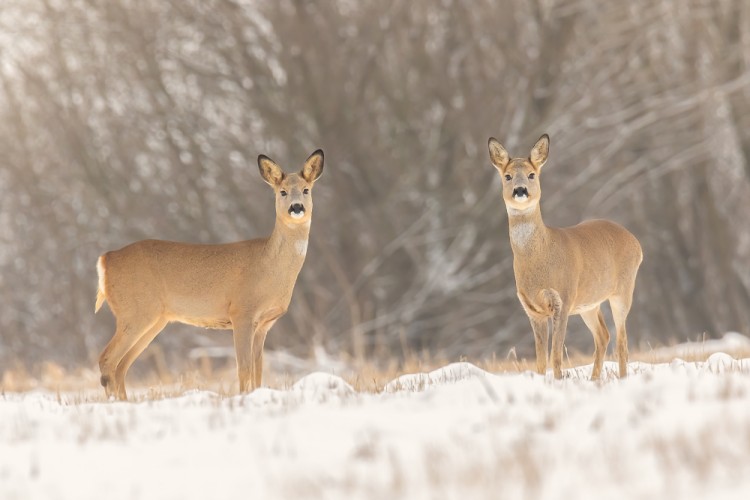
<point>620,305</point>
<point>129,330</point>
<point>134,352</point>
<point>594,320</point>
<point>559,326</point>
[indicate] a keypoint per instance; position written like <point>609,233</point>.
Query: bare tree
<point>123,120</point>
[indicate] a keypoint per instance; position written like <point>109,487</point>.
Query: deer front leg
<point>266,321</point>
<point>258,340</point>
<point>541,343</point>
<point>541,332</point>
<point>559,326</point>
<point>243,347</point>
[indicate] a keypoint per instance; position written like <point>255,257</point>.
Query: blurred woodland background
<point>129,119</point>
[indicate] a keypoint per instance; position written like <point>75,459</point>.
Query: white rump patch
<point>301,247</point>
<point>521,233</point>
<point>100,272</point>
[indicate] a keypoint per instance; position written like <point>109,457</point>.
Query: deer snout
<point>297,210</point>
<point>520,192</point>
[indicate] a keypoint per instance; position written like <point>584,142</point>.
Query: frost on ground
<point>677,430</point>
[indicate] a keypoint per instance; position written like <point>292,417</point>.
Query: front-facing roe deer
<point>244,286</point>
<point>565,271</point>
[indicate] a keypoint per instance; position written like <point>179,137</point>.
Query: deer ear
<point>270,172</point>
<point>313,167</point>
<point>498,155</point>
<point>540,151</point>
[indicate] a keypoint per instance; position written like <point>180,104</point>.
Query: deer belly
<point>213,323</point>
<point>202,313</point>
<point>582,308</point>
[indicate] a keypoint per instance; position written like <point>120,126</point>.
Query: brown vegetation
<point>156,380</point>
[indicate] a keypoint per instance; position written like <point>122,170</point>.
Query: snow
<point>670,430</point>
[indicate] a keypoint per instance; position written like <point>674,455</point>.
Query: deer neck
<point>527,229</point>
<point>288,241</point>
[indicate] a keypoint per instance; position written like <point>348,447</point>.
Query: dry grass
<point>370,376</point>
<point>651,356</point>
<point>159,382</point>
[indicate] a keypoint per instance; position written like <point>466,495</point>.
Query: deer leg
<point>541,342</point>
<point>620,308</point>
<point>559,325</point>
<point>258,340</point>
<point>134,352</point>
<point>127,334</point>
<point>594,320</point>
<point>243,347</point>
<point>267,320</point>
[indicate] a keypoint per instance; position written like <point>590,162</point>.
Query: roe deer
<point>244,286</point>
<point>564,271</point>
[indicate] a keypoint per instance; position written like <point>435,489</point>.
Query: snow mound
<point>316,387</point>
<point>197,398</point>
<point>720,362</point>
<point>322,387</point>
<point>451,373</point>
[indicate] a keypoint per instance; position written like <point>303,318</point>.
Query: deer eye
<point>283,193</point>
<point>532,175</point>
<point>508,177</point>
<point>306,191</point>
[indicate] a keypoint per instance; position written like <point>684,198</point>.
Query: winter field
<point>678,429</point>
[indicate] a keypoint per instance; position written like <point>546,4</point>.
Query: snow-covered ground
<point>678,430</point>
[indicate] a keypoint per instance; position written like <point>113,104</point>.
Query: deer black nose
<point>520,191</point>
<point>297,208</point>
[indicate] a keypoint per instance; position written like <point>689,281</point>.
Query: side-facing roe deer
<point>564,271</point>
<point>244,286</point>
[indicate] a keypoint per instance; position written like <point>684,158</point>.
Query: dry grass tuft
<point>368,376</point>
